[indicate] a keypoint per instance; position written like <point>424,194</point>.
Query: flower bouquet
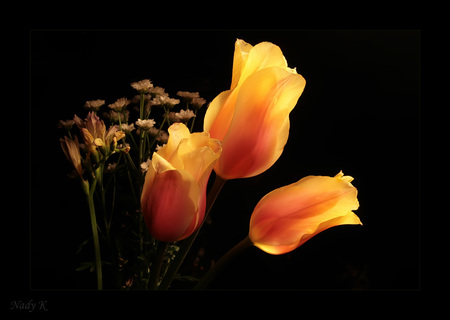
<point>145,173</point>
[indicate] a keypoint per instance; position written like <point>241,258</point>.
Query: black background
<point>359,113</point>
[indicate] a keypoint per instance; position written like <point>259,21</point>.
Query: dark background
<point>359,113</point>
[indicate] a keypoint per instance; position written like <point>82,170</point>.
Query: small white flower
<point>66,124</point>
<point>197,103</point>
<point>165,100</point>
<point>157,91</point>
<point>145,124</point>
<point>173,117</point>
<point>94,105</point>
<point>185,115</point>
<point>145,165</point>
<point>111,167</point>
<point>119,104</point>
<point>188,96</point>
<point>142,86</point>
<point>114,116</point>
<point>127,128</point>
<point>163,137</point>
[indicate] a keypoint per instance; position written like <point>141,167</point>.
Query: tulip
<point>252,118</point>
<point>173,198</point>
<point>287,217</point>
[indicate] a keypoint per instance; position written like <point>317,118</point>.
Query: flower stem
<point>186,245</point>
<point>156,265</point>
<point>223,262</point>
<point>98,260</point>
<point>141,107</point>
<point>193,120</point>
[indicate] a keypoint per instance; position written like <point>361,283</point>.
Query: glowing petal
<point>289,216</point>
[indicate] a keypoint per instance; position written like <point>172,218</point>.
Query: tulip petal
<point>260,127</point>
<point>177,132</point>
<point>173,198</point>
<point>241,50</point>
<point>170,207</point>
<point>289,216</point>
<point>197,155</point>
<point>219,115</point>
<point>248,59</point>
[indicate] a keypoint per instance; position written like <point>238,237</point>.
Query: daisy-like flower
<point>185,115</point>
<point>145,124</point>
<point>114,116</point>
<point>142,86</point>
<point>160,135</point>
<point>188,96</point>
<point>66,124</point>
<point>145,165</point>
<point>111,167</point>
<point>120,104</point>
<point>157,91</point>
<point>166,101</point>
<point>173,117</point>
<point>94,105</point>
<point>197,103</point>
<point>127,128</point>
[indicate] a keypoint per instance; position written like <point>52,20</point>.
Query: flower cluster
<point>158,181</point>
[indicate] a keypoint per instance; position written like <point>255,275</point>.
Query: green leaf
<point>85,265</point>
<point>82,245</point>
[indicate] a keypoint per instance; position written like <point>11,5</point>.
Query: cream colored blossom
<point>188,96</point>
<point>157,91</point>
<point>145,165</point>
<point>127,128</point>
<point>94,105</point>
<point>142,86</point>
<point>197,103</point>
<point>119,104</point>
<point>185,115</point>
<point>66,124</point>
<point>145,124</point>
<point>166,101</point>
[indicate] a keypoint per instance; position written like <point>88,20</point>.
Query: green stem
<point>223,262</point>
<point>166,118</point>
<point>157,264</point>
<point>141,147</point>
<point>193,121</point>
<point>186,245</point>
<point>98,260</point>
<point>141,107</point>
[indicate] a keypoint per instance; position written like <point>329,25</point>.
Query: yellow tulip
<point>287,217</point>
<point>252,118</point>
<point>173,198</point>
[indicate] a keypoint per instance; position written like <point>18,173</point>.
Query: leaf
<point>82,245</point>
<point>85,265</point>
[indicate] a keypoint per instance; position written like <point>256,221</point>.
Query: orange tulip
<point>287,217</point>
<point>252,118</point>
<point>173,198</point>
